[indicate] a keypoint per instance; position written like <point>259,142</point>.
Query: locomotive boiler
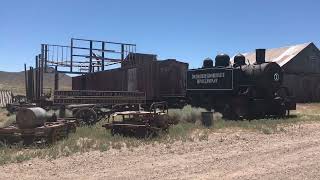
<point>241,89</point>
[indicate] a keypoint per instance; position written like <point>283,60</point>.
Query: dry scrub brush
<point>186,114</point>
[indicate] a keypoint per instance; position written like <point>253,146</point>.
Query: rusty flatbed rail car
<point>50,132</point>
<point>98,97</point>
<point>142,123</point>
<point>137,123</point>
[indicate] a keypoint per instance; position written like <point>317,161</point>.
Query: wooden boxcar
<point>159,80</point>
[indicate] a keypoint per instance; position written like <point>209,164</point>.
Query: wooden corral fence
<point>6,97</point>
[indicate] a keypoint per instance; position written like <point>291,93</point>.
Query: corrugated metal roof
<point>280,55</point>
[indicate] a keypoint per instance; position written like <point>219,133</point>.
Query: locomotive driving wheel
<point>237,109</point>
<point>282,96</point>
<point>282,110</point>
<point>229,113</point>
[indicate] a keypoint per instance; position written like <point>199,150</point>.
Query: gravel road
<point>229,154</point>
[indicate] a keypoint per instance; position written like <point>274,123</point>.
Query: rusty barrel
<point>27,118</point>
<point>207,118</point>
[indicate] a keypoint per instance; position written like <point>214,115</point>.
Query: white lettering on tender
<point>208,78</point>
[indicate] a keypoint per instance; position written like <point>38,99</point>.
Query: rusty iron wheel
<point>87,116</point>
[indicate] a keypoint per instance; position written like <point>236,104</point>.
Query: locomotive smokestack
<point>260,56</point>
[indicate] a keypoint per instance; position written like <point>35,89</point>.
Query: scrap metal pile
<point>34,126</point>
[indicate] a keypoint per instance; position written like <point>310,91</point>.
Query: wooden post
<point>37,78</point>
<point>56,79</point>
<point>122,52</point>
<point>41,69</point>
<point>90,59</point>
<point>45,56</point>
<point>26,80</point>
<point>38,81</point>
<point>30,84</point>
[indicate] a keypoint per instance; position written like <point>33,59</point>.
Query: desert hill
<point>15,81</point>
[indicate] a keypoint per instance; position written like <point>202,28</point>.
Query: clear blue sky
<point>183,29</point>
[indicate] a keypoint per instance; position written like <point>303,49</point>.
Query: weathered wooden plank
<point>6,97</point>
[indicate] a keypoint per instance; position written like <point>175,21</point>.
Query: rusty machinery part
<point>100,113</point>
<point>27,118</point>
<point>50,132</point>
<point>16,106</point>
<point>98,110</point>
<point>89,114</point>
<point>162,106</point>
<point>125,107</point>
<point>76,107</point>
<point>131,130</point>
<point>19,99</point>
<point>86,116</point>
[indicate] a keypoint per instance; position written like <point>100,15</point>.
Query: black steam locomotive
<point>240,90</point>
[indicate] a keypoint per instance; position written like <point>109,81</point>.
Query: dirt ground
<point>230,154</point>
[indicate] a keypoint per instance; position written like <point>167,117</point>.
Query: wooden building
<point>301,64</point>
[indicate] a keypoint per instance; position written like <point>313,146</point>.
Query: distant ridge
<point>15,81</point>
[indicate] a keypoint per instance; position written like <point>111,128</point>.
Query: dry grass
<point>189,129</point>
<point>187,114</point>
<point>6,120</point>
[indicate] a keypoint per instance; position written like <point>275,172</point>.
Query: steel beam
<point>102,55</point>
<point>71,55</point>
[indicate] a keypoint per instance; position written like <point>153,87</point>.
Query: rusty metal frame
<point>78,58</point>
